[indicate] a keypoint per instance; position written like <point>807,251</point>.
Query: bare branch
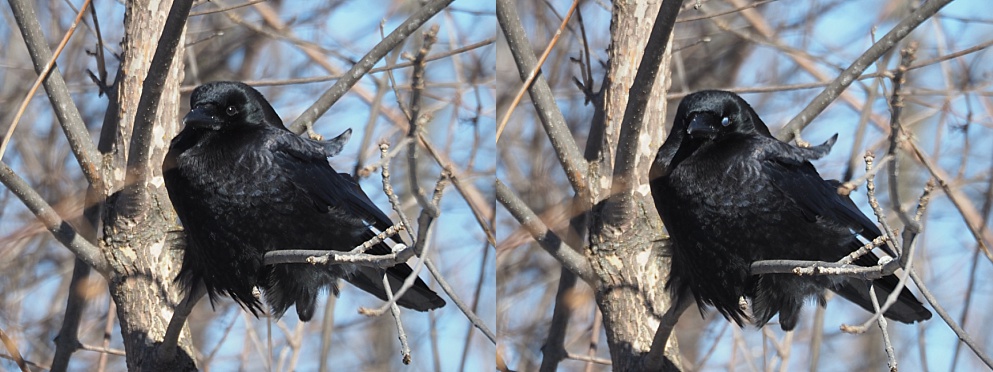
<point>58,93</point>
<point>656,354</point>
<point>473,318</point>
<point>14,353</point>
<point>570,259</point>
<point>319,257</point>
<point>416,119</point>
<point>541,96</point>
<point>395,311</point>
<point>962,335</point>
<point>853,71</point>
<point>63,231</point>
<point>897,135</point>
<point>553,351</point>
<point>142,137</point>
<point>318,108</point>
<point>633,124</point>
<point>817,268</point>
<point>534,71</point>
<point>167,349</point>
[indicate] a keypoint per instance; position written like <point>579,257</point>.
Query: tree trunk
<point>627,251</point>
<point>137,238</point>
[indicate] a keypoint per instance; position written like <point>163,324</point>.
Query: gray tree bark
<point>138,217</point>
<point>627,250</point>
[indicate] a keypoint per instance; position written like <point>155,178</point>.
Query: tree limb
<point>853,71</point>
<point>63,231</point>
<point>570,259</point>
<point>640,92</point>
<point>541,96</point>
<point>142,137</point>
<point>80,142</point>
<point>353,75</point>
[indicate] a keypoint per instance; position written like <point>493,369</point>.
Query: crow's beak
<point>701,126</point>
<point>198,118</point>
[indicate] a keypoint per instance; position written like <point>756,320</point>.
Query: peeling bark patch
<point>157,181</point>
<point>645,142</point>
<point>644,189</point>
<point>156,248</point>
<point>643,258</point>
<point>615,262</point>
<point>158,137</point>
<point>128,252</point>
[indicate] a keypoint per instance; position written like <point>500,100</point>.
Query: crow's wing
<point>792,174</point>
<point>790,171</point>
<point>311,172</point>
<point>326,187</point>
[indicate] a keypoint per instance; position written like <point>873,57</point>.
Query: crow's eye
<point>725,121</point>
<point>231,111</point>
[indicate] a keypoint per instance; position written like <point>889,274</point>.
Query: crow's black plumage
<point>730,194</point>
<point>243,185</point>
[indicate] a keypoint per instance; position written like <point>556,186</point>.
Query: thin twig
<point>108,330</point>
<point>881,321</point>
<point>221,9</point>
<point>12,349</point>
<point>535,70</point>
<point>958,199</point>
<point>62,230</point>
<point>588,359</point>
<point>384,159</point>
<point>329,97</point>
<point>420,248</point>
<point>906,262</point>
<point>962,335</point>
<point>821,268</point>
<point>103,349</point>
<point>323,257</point>
<point>570,259</point>
<point>395,311</point>
<point>388,67</point>
<point>870,191</point>
<point>594,338</point>
<point>551,118</point>
<point>65,109</point>
<point>41,77</point>
<point>417,119</point>
<point>480,205</point>
<point>847,187</point>
<point>473,318</point>
<point>392,230</point>
<point>730,11</point>
<point>898,135</point>
<point>832,91</point>
<point>388,189</point>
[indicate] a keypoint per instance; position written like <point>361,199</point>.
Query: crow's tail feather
<point>906,309</point>
<point>419,297</point>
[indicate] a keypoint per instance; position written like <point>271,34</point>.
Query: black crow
<point>730,194</point>
<point>243,185</point>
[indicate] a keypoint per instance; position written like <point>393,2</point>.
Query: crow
<point>730,194</point>
<point>243,185</point>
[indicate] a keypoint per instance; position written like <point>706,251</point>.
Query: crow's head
<point>710,114</point>
<point>225,105</point>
